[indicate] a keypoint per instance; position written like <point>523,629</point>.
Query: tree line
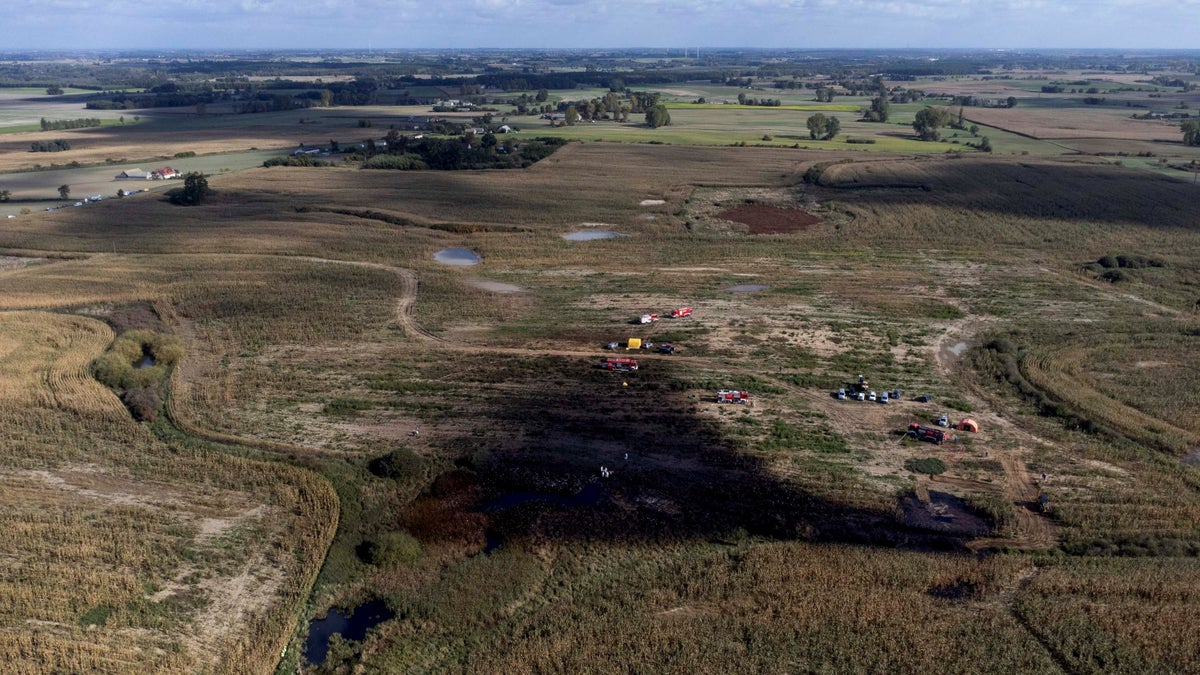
<point>49,146</point>
<point>59,125</point>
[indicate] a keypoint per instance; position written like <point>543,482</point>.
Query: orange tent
<point>970,425</point>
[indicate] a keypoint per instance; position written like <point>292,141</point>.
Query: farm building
<point>134,174</point>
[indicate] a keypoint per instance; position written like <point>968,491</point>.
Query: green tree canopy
<point>878,111</point>
<point>928,121</point>
<point>658,116</point>
<point>822,126</point>
<point>195,190</point>
<point>1191,132</point>
<point>64,191</point>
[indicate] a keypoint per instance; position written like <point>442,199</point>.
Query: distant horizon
<point>81,25</point>
<point>672,48</point>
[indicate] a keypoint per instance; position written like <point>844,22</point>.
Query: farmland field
<point>226,420</point>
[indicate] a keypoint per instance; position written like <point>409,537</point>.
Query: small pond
<point>747,288</point>
<point>353,626</point>
<point>147,360</point>
<point>457,256</point>
<point>492,541</point>
<point>591,235</point>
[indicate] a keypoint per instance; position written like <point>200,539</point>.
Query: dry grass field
<point>787,535</point>
<point>123,554</point>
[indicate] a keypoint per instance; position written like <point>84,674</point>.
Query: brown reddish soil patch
<point>770,219</point>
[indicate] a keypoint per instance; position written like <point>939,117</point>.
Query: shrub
<point>143,403</point>
<point>405,162</point>
<point>399,463</point>
<point>392,549</point>
<point>346,406</point>
<point>929,466</point>
<point>117,368</point>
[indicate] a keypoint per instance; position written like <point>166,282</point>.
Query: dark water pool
<point>353,626</point>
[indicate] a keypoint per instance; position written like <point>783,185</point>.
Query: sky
<point>383,24</point>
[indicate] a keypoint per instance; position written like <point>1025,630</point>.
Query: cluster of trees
<point>59,125</point>
<point>658,116</point>
<point>610,106</point>
<point>470,151</point>
<point>400,152</point>
<point>929,121</point>
<point>878,111</point>
<point>825,94</point>
<point>1165,81</point>
<point>749,100</point>
<point>977,102</point>
<point>1191,132</point>
<point>906,95</point>
<point>5,195</point>
<point>49,146</point>
<point>824,127</point>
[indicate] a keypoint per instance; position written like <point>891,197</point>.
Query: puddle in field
<point>747,288</point>
<point>590,235</point>
<point>146,362</point>
<point>496,286</point>
<point>457,256</point>
<point>492,542</point>
<point>352,626</point>
<point>590,495</point>
<point>958,348</point>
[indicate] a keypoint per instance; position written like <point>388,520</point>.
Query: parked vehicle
<point>923,398</point>
<point>617,363</point>
<point>872,397</point>
<point>666,349</point>
<point>862,396</point>
<point>732,396</point>
<point>944,421</point>
<point>841,393</point>
<point>883,398</point>
<point>927,434</point>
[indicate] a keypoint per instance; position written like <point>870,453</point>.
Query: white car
<point>861,396</point>
<point>872,397</point>
<point>883,398</point>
